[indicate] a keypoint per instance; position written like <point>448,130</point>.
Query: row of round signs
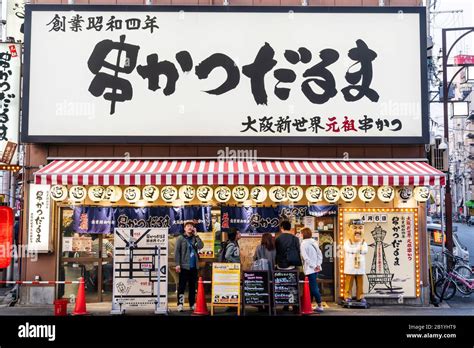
<point>222,194</point>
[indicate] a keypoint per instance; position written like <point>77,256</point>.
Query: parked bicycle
<point>460,266</point>
<point>446,288</point>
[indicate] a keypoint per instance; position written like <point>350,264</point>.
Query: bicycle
<point>440,272</point>
<point>446,288</point>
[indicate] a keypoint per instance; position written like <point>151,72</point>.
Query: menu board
<point>285,288</point>
<point>225,284</point>
<point>256,288</point>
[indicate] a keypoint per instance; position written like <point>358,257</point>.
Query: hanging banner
<point>207,252</point>
<point>10,63</point>
<point>39,214</point>
<point>140,269</point>
<point>391,258</point>
<point>273,82</point>
<point>15,19</point>
<point>93,219</point>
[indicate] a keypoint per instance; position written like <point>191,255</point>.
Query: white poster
<point>10,74</point>
<point>39,210</point>
<point>15,19</point>
<point>310,74</point>
<point>390,261</point>
<point>140,269</point>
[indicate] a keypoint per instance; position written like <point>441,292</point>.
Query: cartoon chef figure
<point>355,249</point>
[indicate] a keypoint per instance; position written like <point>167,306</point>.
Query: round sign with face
<point>348,193</point>
<point>331,194</point>
<point>405,193</point>
<point>277,194</point>
<point>113,194</point>
<point>187,193</point>
<point>386,193</point>
<point>366,193</point>
<point>96,193</point>
<point>294,193</point>
<point>314,194</point>
<point>169,193</point>
<point>258,194</point>
<point>77,193</point>
<point>240,193</point>
<point>422,193</point>
<point>150,193</point>
<point>222,194</point>
<point>204,193</point>
<point>58,192</point>
<point>131,194</point>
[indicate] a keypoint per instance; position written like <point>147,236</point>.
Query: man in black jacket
<point>187,258</point>
<point>285,244</point>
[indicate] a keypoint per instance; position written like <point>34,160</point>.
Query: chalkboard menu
<point>285,288</point>
<point>256,288</point>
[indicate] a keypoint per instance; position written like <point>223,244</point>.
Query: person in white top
<point>312,260</point>
<point>355,249</point>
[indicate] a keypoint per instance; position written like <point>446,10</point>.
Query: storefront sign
<point>39,212</point>
<point>10,68</point>
<point>170,87</point>
<point>15,19</point>
<point>140,269</point>
<point>391,260</point>
<point>207,252</point>
<point>225,283</point>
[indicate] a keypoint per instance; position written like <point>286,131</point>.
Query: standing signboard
<point>140,269</point>
<point>286,291</point>
<point>256,290</point>
<point>39,218</point>
<point>225,286</point>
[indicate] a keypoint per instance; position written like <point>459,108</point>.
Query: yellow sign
<point>225,285</point>
<point>207,252</point>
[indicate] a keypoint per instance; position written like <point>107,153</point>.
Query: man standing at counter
<point>186,257</point>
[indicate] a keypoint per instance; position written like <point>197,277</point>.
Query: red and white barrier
<point>39,282</point>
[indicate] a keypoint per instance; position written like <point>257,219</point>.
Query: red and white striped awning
<point>215,172</point>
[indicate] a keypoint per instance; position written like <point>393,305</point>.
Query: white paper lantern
<point>131,194</point>
<point>77,193</point>
<point>169,193</point>
<point>348,193</point>
<point>405,193</point>
<point>112,194</point>
<point>386,193</point>
<point>331,194</point>
<point>222,194</point>
<point>314,194</point>
<point>187,193</point>
<point>96,193</point>
<point>58,193</point>
<point>204,193</point>
<point>150,193</point>
<point>422,193</point>
<point>240,193</point>
<point>258,194</point>
<point>367,193</point>
<point>277,193</point>
<point>294,193</point>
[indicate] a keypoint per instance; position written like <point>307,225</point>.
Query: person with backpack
<point>232,249</point>
<point>187,257</point>
<point>312,260</point>
<point>287,248</point>
<point>264,257</point>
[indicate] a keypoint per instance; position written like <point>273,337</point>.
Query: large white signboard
<point>140,266</point>
<point>39,210</point>
<point>152,73</point>
<point>10,74</point>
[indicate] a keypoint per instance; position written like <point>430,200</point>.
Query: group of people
<point>284,252</point>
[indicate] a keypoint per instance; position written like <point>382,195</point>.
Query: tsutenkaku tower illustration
<point>379,271</point>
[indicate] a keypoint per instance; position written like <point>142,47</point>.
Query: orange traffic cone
<point>306,300</point>
<point>80,308</point>
<point>201,307</point>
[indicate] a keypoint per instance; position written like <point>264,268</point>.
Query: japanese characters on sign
<point>10,74</point>
<point>336,85</point>
<point>39,218</point>
<point>15,19</point>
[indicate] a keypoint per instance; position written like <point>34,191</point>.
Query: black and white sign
<point>15,19</point>
<point>264,75</point>
<point>256,288</point>
<point>285,288</point>
<point>39,212</point>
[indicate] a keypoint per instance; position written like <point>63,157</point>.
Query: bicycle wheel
<point>445,289</point>
<point>463,271</point>
<point>438,273</point>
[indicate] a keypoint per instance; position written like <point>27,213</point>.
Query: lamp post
<point>448,199</point>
